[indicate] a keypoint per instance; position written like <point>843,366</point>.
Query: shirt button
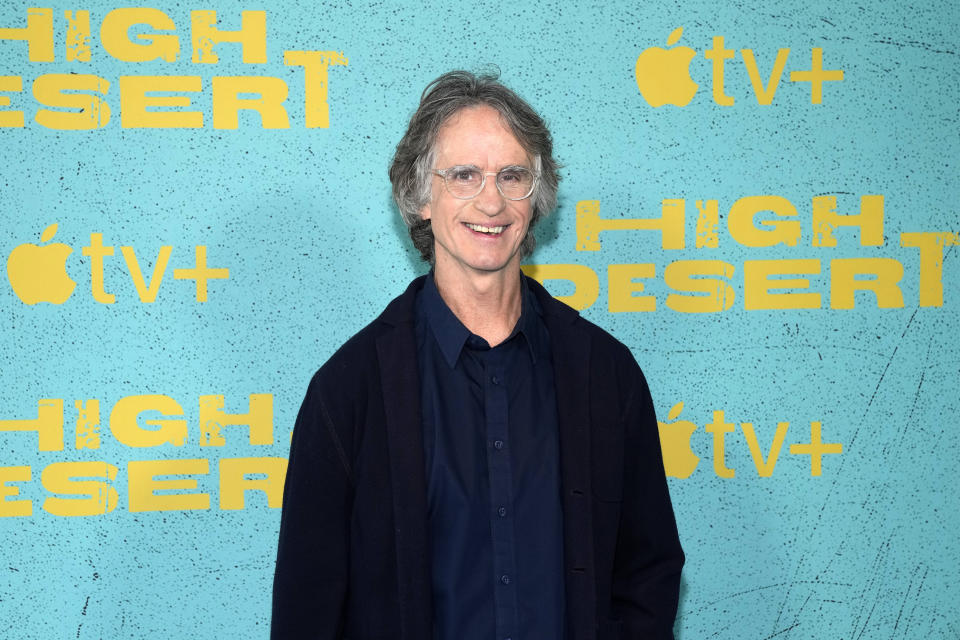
<point>505,579</point>
<point>502,511</point>
<point>498,444</point>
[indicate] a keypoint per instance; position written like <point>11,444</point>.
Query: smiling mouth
<point>479,228</point>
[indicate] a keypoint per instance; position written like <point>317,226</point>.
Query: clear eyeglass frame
<point>447,173</point>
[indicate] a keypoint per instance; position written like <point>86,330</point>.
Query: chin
<point>494,264</point>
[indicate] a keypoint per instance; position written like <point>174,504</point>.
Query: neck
<point>488,304</point>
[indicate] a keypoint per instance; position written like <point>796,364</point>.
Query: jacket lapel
<point>571,359</point>
<point>397,354</point>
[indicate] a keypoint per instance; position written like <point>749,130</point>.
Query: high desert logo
<point>78,101</point>
<point>147,423</point>
<point>663,74</point>
<point>813,278</point>
<point>38,272</point>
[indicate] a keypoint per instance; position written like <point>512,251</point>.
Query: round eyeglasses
<point>466,181</point>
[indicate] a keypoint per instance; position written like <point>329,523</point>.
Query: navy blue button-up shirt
<point>492,456</point>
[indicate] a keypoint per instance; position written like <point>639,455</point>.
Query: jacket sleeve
<point>310,583</point>
<point>646,580</point>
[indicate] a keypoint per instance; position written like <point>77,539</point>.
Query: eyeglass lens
<point>466,182</point>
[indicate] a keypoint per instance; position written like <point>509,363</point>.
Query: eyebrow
<point>506,166</point>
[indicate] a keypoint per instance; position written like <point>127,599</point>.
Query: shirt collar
<point>452,335</point>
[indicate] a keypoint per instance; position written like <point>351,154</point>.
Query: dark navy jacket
<point>353,558</point>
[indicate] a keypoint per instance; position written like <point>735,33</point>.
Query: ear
<point>425,212</point>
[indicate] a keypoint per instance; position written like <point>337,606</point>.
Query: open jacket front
<point>353,559</point>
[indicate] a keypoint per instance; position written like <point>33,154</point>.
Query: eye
<point>511,175</point>
<point>463,175</point>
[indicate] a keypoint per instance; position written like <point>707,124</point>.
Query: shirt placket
<point>496,401</point>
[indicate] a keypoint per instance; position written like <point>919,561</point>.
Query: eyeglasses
<point>466,181</point>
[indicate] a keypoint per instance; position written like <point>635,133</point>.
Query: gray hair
<point>411,170</point>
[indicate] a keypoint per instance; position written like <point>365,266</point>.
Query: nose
<point>490,201</point>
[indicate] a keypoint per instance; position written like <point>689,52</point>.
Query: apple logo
<point>678,459</point>
<point>39,274</point>
<point>663,75</point>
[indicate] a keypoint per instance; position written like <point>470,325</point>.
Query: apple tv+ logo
<point>38,272</point>
<point>679,460</point>
<point>663,75</point>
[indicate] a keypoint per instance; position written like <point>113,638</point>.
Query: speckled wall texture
<point>760,201</point>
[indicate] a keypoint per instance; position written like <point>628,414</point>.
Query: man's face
<point>477,136</point>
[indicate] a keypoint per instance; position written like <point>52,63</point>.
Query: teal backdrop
<point>228,224</point>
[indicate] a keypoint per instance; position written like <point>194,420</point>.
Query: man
<point>479,462</point>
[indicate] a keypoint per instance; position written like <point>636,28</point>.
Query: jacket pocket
<point>609,630</point>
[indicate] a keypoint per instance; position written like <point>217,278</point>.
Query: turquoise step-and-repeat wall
<point>760,199</point>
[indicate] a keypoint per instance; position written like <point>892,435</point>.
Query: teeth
<point>482,229</point>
